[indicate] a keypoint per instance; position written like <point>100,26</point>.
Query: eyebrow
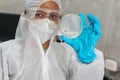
<point>40,11</point>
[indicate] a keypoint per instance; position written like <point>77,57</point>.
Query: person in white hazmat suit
<point>33,55</point>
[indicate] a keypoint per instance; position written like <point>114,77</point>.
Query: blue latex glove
<point>84,44</point>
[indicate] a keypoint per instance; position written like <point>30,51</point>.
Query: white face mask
<point>45,29</point>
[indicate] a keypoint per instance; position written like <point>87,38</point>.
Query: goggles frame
<point>30,12</point>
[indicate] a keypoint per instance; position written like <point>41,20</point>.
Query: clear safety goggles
<point>41,13</point>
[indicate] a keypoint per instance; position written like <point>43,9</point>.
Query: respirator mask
<point>45,29</point>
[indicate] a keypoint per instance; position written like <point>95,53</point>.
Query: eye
<point>53,16</point>
<point>39,15</point>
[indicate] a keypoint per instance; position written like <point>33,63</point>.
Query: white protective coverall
<point>24,59</point>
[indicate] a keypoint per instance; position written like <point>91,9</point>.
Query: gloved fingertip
<point>82,17</point>
<point>89,14</point>
<point>97,25</point>
<point>80,14</point>
<point>90,17</point>
<point>97,20</point>
<point>63,38</point>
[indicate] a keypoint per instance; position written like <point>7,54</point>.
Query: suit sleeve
<point>91,71</point>
<point>3,65</point>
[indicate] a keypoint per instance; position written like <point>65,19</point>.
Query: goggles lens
<point>46,13</point>
<point>51,15</point>
<point>41,13</point>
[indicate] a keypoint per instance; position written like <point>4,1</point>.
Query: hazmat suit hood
<point>22,28</point>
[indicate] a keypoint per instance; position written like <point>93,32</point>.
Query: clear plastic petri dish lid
<point>71,26</point>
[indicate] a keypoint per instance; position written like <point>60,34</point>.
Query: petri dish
<point>71,26</point>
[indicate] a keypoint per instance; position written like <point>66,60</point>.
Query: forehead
<point>50,5</point>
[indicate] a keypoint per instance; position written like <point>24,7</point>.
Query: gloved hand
<point>84,44</point>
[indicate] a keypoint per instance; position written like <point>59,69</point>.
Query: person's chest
<point>31,64</point>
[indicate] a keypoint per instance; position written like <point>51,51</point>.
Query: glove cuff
<point>87,59</point>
